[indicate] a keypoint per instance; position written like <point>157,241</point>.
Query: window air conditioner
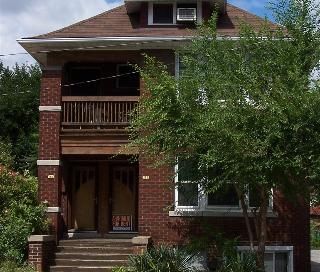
<point>186,14</point>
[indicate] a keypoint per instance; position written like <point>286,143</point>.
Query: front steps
<point>91,254</point>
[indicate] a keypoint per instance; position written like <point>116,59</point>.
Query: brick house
<point>92,192</point>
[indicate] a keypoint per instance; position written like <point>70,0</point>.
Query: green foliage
<point>10,266</point>
<point>20,214</point>
<point>5,154</point>
<point>161,259</point>
<point>315,235</point>
<point>247,107</point>
<point>19,114</point>
<point>238,263</point>
<point>120,269</point>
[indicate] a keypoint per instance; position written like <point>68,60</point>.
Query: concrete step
<point>80,268</point>
<point>97,242</point>
<point>91,256</point>
<point>89,263</point>
<point>94,249</point>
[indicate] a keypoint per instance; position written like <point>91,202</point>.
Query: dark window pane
<point>281,262</point>
<point>188,194</point>
<point>224,197</point>
<point>162,13</point>
<point>188,170</point>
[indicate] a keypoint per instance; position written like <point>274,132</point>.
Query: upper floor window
<point>167,13</point>
<point>163,14</point>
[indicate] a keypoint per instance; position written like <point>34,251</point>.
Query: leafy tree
<point>20,214</point>
<point>19,101</point>
<point>245,108</point>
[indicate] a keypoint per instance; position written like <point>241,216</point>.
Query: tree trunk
<point>244,207</point>
<point>262,227</point>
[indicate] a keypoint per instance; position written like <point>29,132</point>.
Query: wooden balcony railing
<point>97,112</point>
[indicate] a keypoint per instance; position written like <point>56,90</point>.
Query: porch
<point>99,196</point>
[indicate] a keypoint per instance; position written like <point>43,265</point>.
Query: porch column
<point>49,163</point>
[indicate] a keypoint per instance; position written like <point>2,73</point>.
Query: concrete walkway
<point>315,261</point>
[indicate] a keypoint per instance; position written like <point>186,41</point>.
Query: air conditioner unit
<point>186,14</point>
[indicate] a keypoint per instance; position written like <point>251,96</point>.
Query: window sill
<point>214,213</point>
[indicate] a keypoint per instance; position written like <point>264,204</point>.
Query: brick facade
<point>156,193</point>
<point>49,145</point>
<point>289,228</point>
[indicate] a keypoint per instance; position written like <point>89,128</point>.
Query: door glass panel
<point>124,198</point>
<point>83,199</point>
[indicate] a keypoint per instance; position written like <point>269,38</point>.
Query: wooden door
<point>124,198</point>
<point>84,198</point>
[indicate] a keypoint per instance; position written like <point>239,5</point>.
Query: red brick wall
<point>40,254</point>
<point>49,144</point>
<point>290,228</point>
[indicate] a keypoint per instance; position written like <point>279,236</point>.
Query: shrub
<point>20,214</point>
<point>233,261</point>
<point>13,267</point>
<point>161,259</point>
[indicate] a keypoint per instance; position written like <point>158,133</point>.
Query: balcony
<point>97,113</point>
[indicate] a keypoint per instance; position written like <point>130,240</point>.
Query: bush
<point>161,259</point>
<point>233,261</point>
<point>20,215</point>
<point>315,235</point>
<point>13,267</point>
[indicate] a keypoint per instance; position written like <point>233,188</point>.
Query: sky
<point>26,18</point>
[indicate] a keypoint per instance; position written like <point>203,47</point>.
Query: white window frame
<point>176,194</point>
<point>273,250</point>
<point>203,200</point>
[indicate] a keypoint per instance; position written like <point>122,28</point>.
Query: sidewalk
<point>315,260</point>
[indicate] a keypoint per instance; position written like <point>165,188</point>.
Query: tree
<point>246,110</point>
<point>19,114</point>
<point>20,213</point>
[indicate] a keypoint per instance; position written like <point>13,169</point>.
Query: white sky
<point>26,18</point>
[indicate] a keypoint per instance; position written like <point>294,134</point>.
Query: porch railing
<point>97,112</point>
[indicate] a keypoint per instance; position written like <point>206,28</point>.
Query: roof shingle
<point>117,23</point>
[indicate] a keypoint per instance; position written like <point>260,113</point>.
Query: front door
<point>84,198</point>
<point>124,198</point>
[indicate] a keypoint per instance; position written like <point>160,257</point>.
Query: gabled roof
<point>117,23</point>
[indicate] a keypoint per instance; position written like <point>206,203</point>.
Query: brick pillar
<point>49,163</point>
<point>156,194</point>
<point>41,249</point>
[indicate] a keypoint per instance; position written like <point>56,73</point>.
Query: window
<point>276,258</point>
<point>187,193</point>
<point>129,77</point>
<point>163,13</point>
<point>190,195</point>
